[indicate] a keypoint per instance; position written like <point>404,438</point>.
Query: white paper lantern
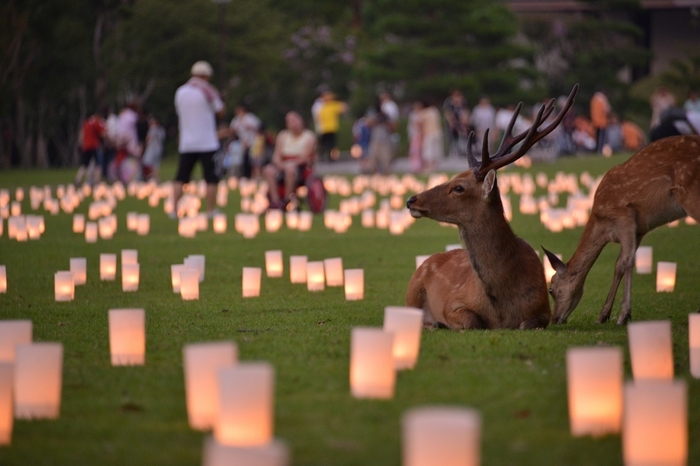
<point>420,259</point>
<point>220,223</point>
<point>406,324</point>
<point>372,373</point>
<point>665,276</point>
<point>273,263</point>
<point>144,225</point>
<point>108,267</point>
<point>130,256</point>
<point>274,453</point>
<point>693,344</point>
<point>37,377</point>
<point>175,270</point>
<point>6,414</point>
<point>78,266</point>
<point>130,277</point>
<point>297,269</point>
<point>3,279</point>
<point>189,283</point>
<point>251,282</point>
<point>64,286</point>
<point>197,261</point>
<point>333,269</point>
<point>643,259</point>
<point>315,278</point>
<point>13,333</point>
<point>354,284</point>
<point>90,232</point>
<point>651,349</point>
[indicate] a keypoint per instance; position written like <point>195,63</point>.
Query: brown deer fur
<point>657,185</point>
<point>496,282</point>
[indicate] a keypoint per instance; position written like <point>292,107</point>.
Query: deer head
<point>458,200</point>
<point>564,288</point>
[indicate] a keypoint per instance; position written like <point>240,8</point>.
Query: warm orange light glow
<point>643,259</point>
<point>6,414</point>
<point>354,284</point>
<point>273,263</point>
<point>372,373</point>
<point>78,266</point>
<point>13,333</point>
<point>315,278</point>
<point>64,287</point>
<point>130,277</point>
<point>127,336</point>
<point>189,283</point>
<point>665,276</point>
<point>251,282</point>
<point>651,349</point>
<point>406,324</point>
<point>297,269</point>
<point>274,453</point>
<point>38,374</point>
<point>108,267</point>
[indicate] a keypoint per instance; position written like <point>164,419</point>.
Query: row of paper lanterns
<point>651,411</point>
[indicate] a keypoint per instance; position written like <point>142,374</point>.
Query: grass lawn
<point>137,415</point>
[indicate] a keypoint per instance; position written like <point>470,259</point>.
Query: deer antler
<point>529,137</point>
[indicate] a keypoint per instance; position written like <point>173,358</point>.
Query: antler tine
<point>528,137</point>
<point>471,160</point>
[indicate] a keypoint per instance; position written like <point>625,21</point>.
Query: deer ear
<point>555,262</point>
<point>489,183</point>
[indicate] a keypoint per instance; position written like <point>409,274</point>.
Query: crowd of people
<point>130,143</point>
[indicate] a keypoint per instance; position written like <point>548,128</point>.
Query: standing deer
<point>657,185</point>
<point>498,280</point>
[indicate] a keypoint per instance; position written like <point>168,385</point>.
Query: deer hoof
<point>624,319</point>
<point>602,319</point>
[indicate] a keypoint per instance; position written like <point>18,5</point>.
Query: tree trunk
<point>42,153</point>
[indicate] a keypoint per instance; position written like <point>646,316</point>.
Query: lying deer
<point>498,280</point>
<point>657,185</point>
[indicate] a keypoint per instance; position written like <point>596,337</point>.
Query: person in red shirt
<point>91,136</point>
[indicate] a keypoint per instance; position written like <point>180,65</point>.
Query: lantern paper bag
<point>144,224</point>
<point>274,453</point>
<point>13,333</point>
<point>251,282</point>
<point>655,423</point>
<point>108,267</point>
<point>245,415</point>
<point>594,382</point>
<point>78,266</point>
<point>220,223</point>
<point>189,283</point>
<point>651,351</point>
<point>64,286</point>
<point>202,362</point>
<point>130,256</point>
<point>297,269</point>
<point>273,263</point>
<point>406,323</point>
<point>693,344</point>
<point>354,284</point>
<point>127,336</point>
<point>175,270</point>
<point>78,223</point>
<point>334,271</point>
<point>665,276</point>
<point>130,277</point>
<point>38,375</point>
<point>643,260</point>
<point>372,373</point>
<point>420,259</point>
<point>315,278</point>
<point>197,261</point>
<point>441,435</point>
<point>91,232</point>
<point>6,415</point>
<point>3,278</point>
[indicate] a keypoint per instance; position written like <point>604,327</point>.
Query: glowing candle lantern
<point>694,344</point>
<point>104,228</point>
<point>655,423</point>
<point>292,219</point>
<point>15,208</point>
<point>78,266</point>
<point>13,333</point>
<point>37,378</point>
<point>354,284</point>
<point>334,271</point>
<point>441,435</point>
<point>202,362</point>
<point>665,276</point>
<point>420,259</point>
<point>90,232</point>
<point>78,223</point>
<point>189,283</point>
<point>273,220</point>
<point>315,278</point>
<point>251,282</point>
<point>127,336</point>
<point>219,223</point>
<point>643,259</point>
<point>144,225</point>
<point>245,415</point>
<point>130,277</point>
<point>251,226</point>
<point>197,261</point>
<point>202,222</point>
<point>132,221</point>
<point>64,287</point>
<point>305,221</point>
<point>452,247</point>
<point>594,380</point>
<point>3,279</point>
<point>297,269</point>
<point>130,256</point>
<point>367,218</point>
<point>108,267</point>
<point>372,373</point>
<point>396,223</point>
<point>6,415</point>
<point>175,270</point>
<point>651,351</point>
<point>405,323</point>
<point>273,263</point>
<point>274,453</point>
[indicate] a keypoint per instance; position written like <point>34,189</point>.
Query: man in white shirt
<point>246,126</point>
<point>198,104</point>
<point>389,108</point>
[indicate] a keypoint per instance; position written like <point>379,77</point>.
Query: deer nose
<point>410,201</point>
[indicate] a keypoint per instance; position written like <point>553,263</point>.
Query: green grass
<point>137,415</point>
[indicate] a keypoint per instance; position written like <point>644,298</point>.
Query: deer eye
<point>459,189</point>
<point>551,292</point>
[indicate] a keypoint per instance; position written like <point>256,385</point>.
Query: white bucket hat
<point>202,68</point>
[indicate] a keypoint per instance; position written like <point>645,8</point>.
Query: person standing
<point>431,137</point>
<point>415,138</point>
<point>692,104</point>
<point>246,126</point>
<point>197,104</point>
<point>391,110</point>
<point>483,118</point>
<point>154,149</point>
<point>380,143</point>
<point>456,115</point>
<point>600,115</point>
<point>661,100</point>
<point>91,135</point>
<point>328,125</point>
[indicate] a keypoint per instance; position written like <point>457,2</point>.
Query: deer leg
<point>623,266</point>
<point>463,318</point>
<point>626,312</point>
<point>540,321</point>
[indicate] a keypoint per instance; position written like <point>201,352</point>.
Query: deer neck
<point>589,248</point>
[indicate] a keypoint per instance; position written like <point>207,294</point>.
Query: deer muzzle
<point>410,204</point>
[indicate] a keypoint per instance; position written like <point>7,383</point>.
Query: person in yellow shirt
<point>329,123</point>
